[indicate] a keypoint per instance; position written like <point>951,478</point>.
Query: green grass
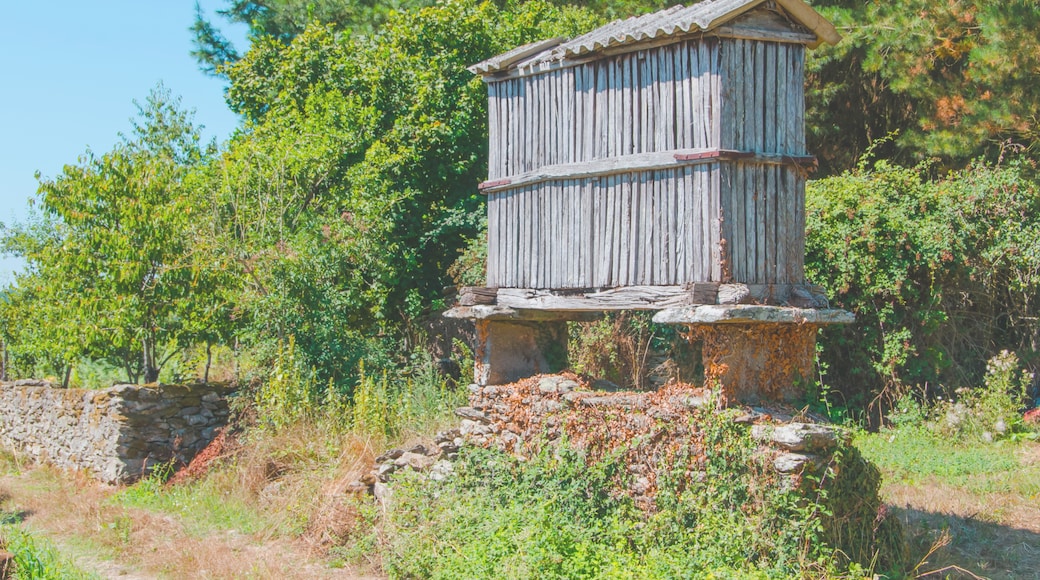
<point>203,506</point>
<point>916,455</point>
<point>35,558</point>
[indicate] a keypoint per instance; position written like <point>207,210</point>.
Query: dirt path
<point>115,541</point>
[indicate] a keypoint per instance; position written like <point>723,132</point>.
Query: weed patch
<point>563,512</point>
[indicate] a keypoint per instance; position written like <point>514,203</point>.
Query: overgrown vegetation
<point>941,273</point>
<point>36,558</point>
<point>558,516</point>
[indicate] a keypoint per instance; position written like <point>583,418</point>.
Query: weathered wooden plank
<point>588,230</point>
<point>696,220</point>
<point>783,227</point>
<point>493,131</point>
<point>795,273</point>
<point>750,225</point>
<point>515,115</point>
<point>761,225</point>
<point>716,92</point>
<point>756,34</point>
<point>680,95</point>
<point>531,215</point>
<point>639,297</point>
<point>654,275</point>
<point>616,248</point>
<point>508,245</point>
<point>769,201</point>
<point>738,245</point>
<point>603,121</point>
<point>759,80</point>
<point>682,270</point>
<point>568,115</point>
<point>798,254</point>
<point>712,171</point>
<point>624,229</point>
<point>474,295</point>
<point>769,112</point>
<point>782,138</point>
<point>673,251</point>
<point>603,166</point>
<point>551,236</point>
<point>493,241</point>
<point>627,109</point>
<point>667,118</point>
<point>799,100</point>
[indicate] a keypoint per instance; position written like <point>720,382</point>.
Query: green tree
<point>942,273</point>
<point>352,187</point>
<point>955,79</point>
<point>111,270</point>
<point>284,20</point>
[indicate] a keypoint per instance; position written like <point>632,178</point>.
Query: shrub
<point>941,273</point>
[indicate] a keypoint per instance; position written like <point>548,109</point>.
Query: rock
<point>385,470</point>
<point>469,427</point>
<point>441,470</point>
<point>416,461</point>
<point>804,436</point>
<point>390,455</point>
<point>792,462</point>
<point>546,407</point>
<point>472,414</point>
<point>556,385</point>
<point>690,401</point>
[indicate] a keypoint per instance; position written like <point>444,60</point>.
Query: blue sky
<point>70,72</point>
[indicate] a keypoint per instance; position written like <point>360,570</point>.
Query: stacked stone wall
<point>116,434</point>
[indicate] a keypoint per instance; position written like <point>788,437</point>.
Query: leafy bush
<point>941,273</point>
<point>557,516</point>
<point>991,411</point>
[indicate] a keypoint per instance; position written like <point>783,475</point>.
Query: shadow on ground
<point>969,547</point>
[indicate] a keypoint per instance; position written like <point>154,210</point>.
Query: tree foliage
<point>111,272</point>
<point>352,187</point>
<point>955,79</point>
<point>942,273</point>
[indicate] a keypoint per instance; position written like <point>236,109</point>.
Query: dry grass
<point>278,476</point>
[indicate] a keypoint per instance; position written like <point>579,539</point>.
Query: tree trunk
<point>209,359</point>
<point>3,360</point>
<point>68,376</point>
<point>151,372</point>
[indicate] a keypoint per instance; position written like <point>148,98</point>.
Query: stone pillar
<point>514,344</point>
<point>507,351</point>
<point>752,363</point>
<point>755,353</point>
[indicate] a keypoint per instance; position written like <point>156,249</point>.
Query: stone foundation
<point>115,434</point>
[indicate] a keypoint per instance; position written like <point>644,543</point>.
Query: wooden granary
<point>659,163</point>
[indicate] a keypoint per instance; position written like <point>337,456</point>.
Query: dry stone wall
<point>115,434</point>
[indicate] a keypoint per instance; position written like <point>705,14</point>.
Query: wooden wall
<point>713,221</point>
<point>651,100</point>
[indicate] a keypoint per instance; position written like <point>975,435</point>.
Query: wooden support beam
<point>643,297</point>
<point>641,162</point>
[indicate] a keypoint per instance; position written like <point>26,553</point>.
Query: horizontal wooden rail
<point>640,162</point>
